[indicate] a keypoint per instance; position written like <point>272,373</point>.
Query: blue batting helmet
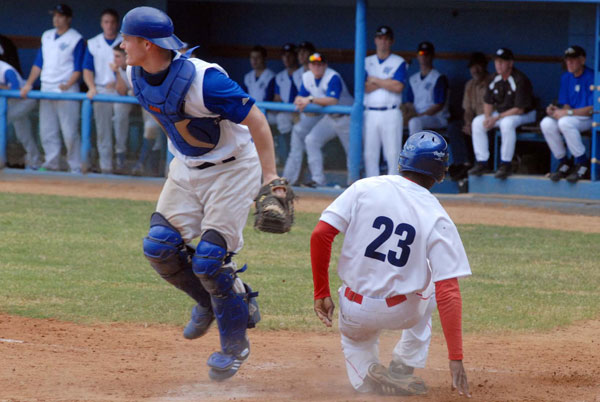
<point>425,152</point>
<point>151,24</point>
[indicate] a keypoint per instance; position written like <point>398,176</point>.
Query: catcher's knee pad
<point>170,257</point>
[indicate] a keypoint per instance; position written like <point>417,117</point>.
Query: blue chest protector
<point>191,136</point>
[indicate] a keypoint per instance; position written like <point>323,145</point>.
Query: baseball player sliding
<point>214,131</point>
<point>401,253</point>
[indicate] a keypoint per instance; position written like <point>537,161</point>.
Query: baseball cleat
<point>403,385</point>
<point>399,369</point>
<point>223,366</point>
<point>201,319</point>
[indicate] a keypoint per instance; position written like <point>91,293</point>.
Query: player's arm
<point>395,83</point>
<point>34,74</point>
<point>320,254</point>
<point>88,74</point>
<point>263,140</point>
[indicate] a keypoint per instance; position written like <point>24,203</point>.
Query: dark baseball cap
<point>384,30</point>
<point>477,58</point>
<point>504,53</point>
<point>308,46</point>
<point>288,47</point>
<point>425,48</point>
<point>317,58</point>
<point>62,9</point>
<point>574,51</point>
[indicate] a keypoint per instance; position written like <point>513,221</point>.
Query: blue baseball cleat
<point>201,319</point>
<point>223,366</point>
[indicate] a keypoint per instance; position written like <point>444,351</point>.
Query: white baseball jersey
<point>285,83</point>
<point>234,137</point>
<point>319,90</point>
<point>58,59</point>
<point>297,76</point>
<point>381,97</point>
<point>398,238</point>
<point>4,68</point>
<point>257,87</point>
<point>423,91</point>
<point>103,56</point>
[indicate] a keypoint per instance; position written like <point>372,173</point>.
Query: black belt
<point>210,164</point>
<point>382,108</point>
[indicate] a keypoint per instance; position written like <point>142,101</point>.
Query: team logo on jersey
<point>244,101</point>
<point>577,88</point>
<point>63,46</point>
<point>428,86</point>
<point>154,109</point>
<point>387,70</point>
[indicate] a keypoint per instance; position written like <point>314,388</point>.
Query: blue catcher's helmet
<point>151,24</point>
<point>425,152</point>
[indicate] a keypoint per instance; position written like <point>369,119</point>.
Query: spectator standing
<point>383,124</point>
<point>101,79</point>
<point>570,119</point>
<point>285,91</point>
<point>58,65</point>
<point>19,114</point>
<point>508,104</point>
<point>428,92</point>
<point>322,86</point>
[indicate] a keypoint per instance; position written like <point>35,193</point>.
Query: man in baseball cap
<point>425,48</point>
<point>384,30</point>
<point>504,54</point>
<point>565,123</point>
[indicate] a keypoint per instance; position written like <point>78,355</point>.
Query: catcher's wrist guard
<point>274,213</point>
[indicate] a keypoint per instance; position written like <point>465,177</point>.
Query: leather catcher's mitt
<point>274,214</point>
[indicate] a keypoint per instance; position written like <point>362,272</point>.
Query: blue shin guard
<point>231,299</point>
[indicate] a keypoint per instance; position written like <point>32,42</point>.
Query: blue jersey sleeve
<point>277,90</point>
<point>293,92</point>
<point>10,77</point>
<point>303,91</point>
<point>409,95</point>
<point>39,59</point>
<point>400,74</point>
<point>270,90</point>
<point>334,87</point>
<point>78,55</point>
<point>225,97</point>
<point>589,94</point>
<point>440,90</point>
<point>88,60</point>
<point>563,92</point>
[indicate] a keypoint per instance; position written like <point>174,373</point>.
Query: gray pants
<point>324,131</point>
<point>108,115</point>
<point>57,116</point>
<point>19,115</point>
<point>293,164</point>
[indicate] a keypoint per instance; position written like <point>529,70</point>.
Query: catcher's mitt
<point>274,213</point>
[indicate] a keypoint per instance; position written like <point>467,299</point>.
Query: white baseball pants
<point>218,197</point>
<point>361,324</point>
<point>382,128</point>
<point>285,121</point>
<point>293,164</point>
<point>420,123</point>
<point>324,131</point>
<point>57,116</point>
<point>18,115</point>
<point>508,130</point>
<point>570,127</point>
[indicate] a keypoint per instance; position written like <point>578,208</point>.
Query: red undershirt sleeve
<point>320,254</point>
<point>449,302</point>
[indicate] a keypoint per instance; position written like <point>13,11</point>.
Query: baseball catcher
<point>275,207</point>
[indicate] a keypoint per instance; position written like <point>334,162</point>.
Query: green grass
<point>80,260</point>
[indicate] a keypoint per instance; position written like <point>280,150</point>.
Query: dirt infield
<point>49,360</point>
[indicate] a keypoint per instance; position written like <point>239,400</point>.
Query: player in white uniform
<point>305,49</point>
<point>285,91</point>
<point>322,86</point>
<point>58,64</point>
<point>220,141</point>
<point>401,253</point>
<point>100,79</point>
<point>259,82</point>
<point>428,92</point>
<point>383,124</point>
<point>18,115</point>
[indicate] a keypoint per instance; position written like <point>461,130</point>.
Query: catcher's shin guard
<point>232,301</point>
<point>170,258</point>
